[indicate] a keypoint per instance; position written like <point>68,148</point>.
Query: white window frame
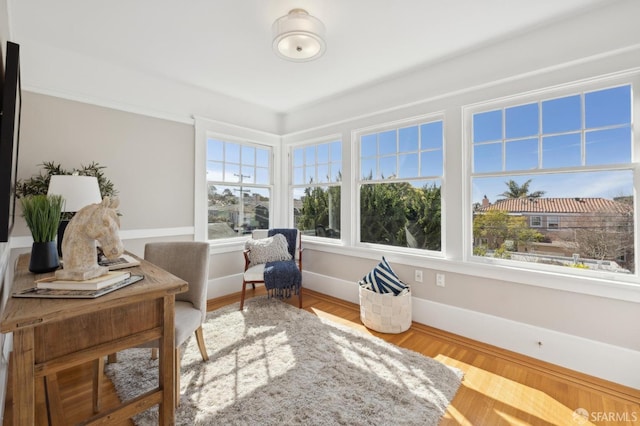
<point>553,220</point>
<point>205,129</point>
<point>357,181</point>
<point>293,186</point>
<point>631,78</point>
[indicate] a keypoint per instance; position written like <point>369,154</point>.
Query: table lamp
<point>77,192</point>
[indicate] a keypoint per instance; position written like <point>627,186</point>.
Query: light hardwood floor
<point>499,387</point>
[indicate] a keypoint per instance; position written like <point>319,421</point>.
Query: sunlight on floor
<point>521,398</point>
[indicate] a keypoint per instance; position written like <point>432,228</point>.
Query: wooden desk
<point>50,335</point>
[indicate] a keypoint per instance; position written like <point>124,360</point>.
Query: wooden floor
<point>499,387</point>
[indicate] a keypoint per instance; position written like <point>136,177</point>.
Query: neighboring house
<point>593,228</point>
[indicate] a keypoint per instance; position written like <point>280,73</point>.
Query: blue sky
<point>572,132</point>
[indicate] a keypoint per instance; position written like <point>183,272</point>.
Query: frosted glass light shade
<point>77,191</point>
<point>298,36</point>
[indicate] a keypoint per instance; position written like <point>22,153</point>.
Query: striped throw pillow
<point>382,279</point>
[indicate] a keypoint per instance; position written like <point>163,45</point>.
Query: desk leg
<point>23,389</point>
<point>167,363</point>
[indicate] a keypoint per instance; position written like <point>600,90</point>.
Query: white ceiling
<point>224,46</point>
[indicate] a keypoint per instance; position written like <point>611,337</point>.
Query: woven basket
<point>385,313</point>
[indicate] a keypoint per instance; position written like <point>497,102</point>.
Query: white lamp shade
<point>298,36</point>
<point>77,191</point>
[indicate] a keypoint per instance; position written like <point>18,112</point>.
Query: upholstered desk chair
<point>188,260</point>
<point>254,272</point>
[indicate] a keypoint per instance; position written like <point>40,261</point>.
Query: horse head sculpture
<point>95,222</point>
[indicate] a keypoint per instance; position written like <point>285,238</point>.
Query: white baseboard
<point>599,359</point>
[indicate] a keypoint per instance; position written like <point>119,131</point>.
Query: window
<point>568,156</point>
<point>238,188</point>
<point>317,178</point>
<point>401,170</point>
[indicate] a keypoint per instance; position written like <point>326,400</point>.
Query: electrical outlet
<point>440,280</point>
<point>418,276</point>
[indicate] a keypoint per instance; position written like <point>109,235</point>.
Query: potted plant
<point>42,215</point>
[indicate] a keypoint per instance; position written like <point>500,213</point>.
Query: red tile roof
<point>558,205</point>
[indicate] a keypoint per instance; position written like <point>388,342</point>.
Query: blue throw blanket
<point>283,278</point>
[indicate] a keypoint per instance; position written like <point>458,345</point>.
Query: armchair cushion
<point>268,249</point>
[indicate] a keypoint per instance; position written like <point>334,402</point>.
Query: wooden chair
<point>254,274</point>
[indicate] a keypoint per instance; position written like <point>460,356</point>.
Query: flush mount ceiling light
<point>298,36</point>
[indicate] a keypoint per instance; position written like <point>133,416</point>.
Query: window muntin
<point>316,186</point>
<point>238,188</point>
<point>574,151</point>
<point>399,194</point>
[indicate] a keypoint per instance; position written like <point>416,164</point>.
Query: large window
<point>399,185</point>
<point>560,163</point>
<point>317,177</point>
<point>238,188</point>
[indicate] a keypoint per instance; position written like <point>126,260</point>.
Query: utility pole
<point>242,191</point>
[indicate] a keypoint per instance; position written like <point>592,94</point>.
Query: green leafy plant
<point>39,184</point>
<point>42,214</point>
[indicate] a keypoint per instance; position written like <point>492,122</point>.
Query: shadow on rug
<point>274,364</point>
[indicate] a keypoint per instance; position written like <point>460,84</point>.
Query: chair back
<point>188,260</point>
<point>257,234</point>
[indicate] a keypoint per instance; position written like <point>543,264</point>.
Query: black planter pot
<point>44,257</point>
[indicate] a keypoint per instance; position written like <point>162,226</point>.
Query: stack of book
<point>87,289</point>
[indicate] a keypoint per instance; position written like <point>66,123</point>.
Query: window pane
<point>387,142</point>
<point>521,121</point>
<point>561,151</point>
<point>298,176</point>
<point>487,126</point>
<point>232,173</point>
<point>400,214</point>
<point>262,157</point>
<point>298,157</point>
<point>229,217</point>
<point>323,153</point>
<point>431,163</point>
<point>262,176</point>
<point>387,167</point>
<point>323,173</point>
<point>611,146</point>
<point>408,139</point>
<point>589,213</point>
<point>232,153</point>
<point>248,175</point>
<point>369,145</point>
<point>408,165</point>
<point>487,158</point>
<point>214,171</point>
<point>562,115</point>
<point>248,155</point>
<point>310,155</point>
<point>310,174</point>
<point>522,154</point>
<point>368,169</point>
<point>431,135</point>
<point>336,172</point>
<point>608,107</point>
<point>336,152</point>
<point>215,149</point>
<point>317,211</point>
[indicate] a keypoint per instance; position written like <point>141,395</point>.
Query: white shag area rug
<point>274,364</point>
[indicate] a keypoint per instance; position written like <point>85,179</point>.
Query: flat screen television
<point>9,139</point>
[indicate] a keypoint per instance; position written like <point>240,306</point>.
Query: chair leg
<point>176,371</point>
<point>154,353</point>
<point>300,298</point>
<point>244,290</point>
<point>201,345</point>
<point>98,371</point>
